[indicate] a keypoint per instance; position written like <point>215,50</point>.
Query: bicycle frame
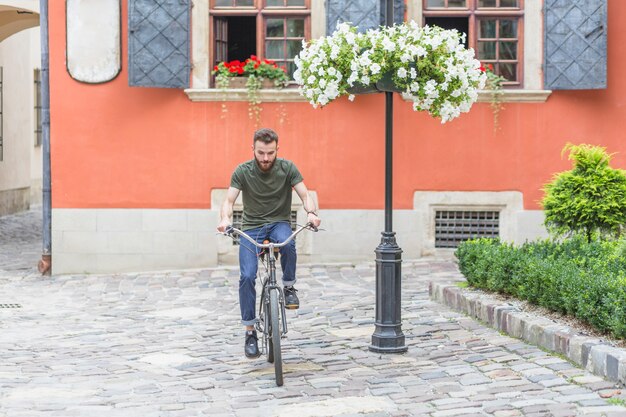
<point>272,303</point>
<point>270,283</point>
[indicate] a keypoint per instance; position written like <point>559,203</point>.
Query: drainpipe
<point>45,263</point>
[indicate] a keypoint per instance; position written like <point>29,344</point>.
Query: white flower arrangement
<point>429,65</point>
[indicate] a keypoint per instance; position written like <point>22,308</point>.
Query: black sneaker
<point>291,299</point>
<point>252,347</point>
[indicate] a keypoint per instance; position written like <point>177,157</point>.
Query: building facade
<point>143,144</point>
<point>20,110</point>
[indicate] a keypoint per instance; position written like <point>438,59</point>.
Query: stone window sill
<point>292,95</point>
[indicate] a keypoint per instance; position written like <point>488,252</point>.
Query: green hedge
<point>585,280</point>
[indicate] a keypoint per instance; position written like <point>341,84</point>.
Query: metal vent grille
<point>238,222</point>
<point>454,227</point>
<point>10,306</point>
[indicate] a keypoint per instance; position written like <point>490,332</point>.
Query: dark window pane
<point>456,3</point>
<point>275,49</point>
<point>486,3</point>
<point>275,28</point>
<point>293,48</point>
<point>508,50</point>
<point>509,3</point>
<point>295,28</point>
<point>244,2</point>
<point>508,71</point>
<point>291,67</point>
<point>271,3</point>
<point>435,3</point>
<point>295,2</point>
<point>223,3</point>
<point>486,50</point>
<point>487,29</point>
<point>508,28</point>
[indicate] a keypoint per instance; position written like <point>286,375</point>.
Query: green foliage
<point>575,277</point>
<point>590,199</point>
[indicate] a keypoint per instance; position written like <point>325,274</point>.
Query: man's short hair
<point>265,135</point>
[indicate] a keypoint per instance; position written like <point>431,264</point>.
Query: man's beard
<point>264,166</point>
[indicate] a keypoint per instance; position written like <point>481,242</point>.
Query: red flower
<point>240,71</point>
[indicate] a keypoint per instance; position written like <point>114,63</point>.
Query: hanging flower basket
<point>385,84</point>
<point>429,65</point>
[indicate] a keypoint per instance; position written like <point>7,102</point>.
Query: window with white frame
<point>268,29</point>
<point>494,29</point>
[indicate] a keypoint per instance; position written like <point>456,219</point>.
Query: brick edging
<point>589,353</point>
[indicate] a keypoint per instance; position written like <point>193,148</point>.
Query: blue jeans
<point>248,265</point>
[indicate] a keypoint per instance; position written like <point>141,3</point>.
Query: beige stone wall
<point>21,166</point>
<point>123,240</point>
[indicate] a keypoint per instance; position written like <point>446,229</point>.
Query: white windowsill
<point>292,95</point>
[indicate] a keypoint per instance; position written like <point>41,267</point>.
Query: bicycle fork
<point>281,296</point>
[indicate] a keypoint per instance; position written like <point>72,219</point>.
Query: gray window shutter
<point>575,44</point>
<point>158,43</point>
<point>398,12</point>
<point>365,14</point>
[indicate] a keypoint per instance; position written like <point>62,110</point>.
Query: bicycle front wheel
<point>275,337</point>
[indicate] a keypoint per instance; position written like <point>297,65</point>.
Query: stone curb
<point>589,353</point>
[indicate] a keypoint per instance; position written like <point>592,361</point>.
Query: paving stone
<point>169,344</point>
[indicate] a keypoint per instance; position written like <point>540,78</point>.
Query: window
<point>453,227</point>
<point>269,29</point>
<point>494,29</point>
<point>38,129</point>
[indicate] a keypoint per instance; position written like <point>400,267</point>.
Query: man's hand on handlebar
<point>313,219</point>
<point>224,226</point>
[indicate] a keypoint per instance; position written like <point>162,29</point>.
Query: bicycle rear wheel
<point>274,345</point>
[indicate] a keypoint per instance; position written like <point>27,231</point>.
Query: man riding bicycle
<point>265,183</point>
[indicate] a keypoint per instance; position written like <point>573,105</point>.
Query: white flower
<point>362,57</point>
<point>388,45</point>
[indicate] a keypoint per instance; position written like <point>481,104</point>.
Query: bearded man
<point>265,183</point>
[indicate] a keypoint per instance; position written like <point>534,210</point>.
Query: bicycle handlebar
<point>231,230</point>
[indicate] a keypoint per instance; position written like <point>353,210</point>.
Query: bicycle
<point>272,321</point>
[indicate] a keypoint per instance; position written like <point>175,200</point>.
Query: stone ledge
<point>292,95</point>
<point>589,353</point>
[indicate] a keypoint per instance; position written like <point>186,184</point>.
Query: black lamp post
<point>388,336</point>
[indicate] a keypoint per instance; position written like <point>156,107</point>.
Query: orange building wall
<point>115,146</point>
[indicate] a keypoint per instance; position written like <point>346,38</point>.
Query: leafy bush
<point>583,279</point>
<point>590,199</point>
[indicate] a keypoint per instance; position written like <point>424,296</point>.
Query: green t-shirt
<point>266,195</point>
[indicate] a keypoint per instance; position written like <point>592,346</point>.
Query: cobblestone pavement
<point>169,344</point>
<point>20,243</point>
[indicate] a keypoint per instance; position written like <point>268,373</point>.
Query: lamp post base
<point>388,336</point>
